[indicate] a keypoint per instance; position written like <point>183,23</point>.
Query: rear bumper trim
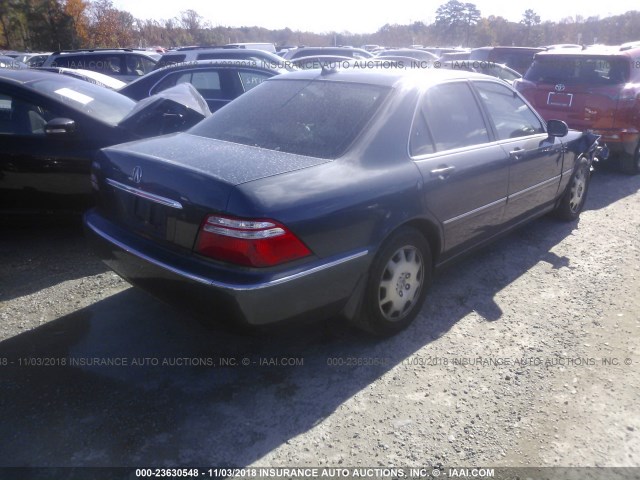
<point>146,195</point>
<point>216,283</point>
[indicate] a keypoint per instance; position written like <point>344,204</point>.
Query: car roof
<point>24,75</point>
<point>388,77</point>
<point>201,50</point>
<point>106,51</point>
<point>515,49</point>
<point>601,50</point>
<point>228,62</point>
<point>320,57</point>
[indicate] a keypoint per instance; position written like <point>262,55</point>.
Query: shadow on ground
<point>194,411</point>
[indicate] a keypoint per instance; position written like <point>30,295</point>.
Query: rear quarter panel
<point>335,207</point>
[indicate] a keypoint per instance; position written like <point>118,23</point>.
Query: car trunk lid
<point>164,188</point>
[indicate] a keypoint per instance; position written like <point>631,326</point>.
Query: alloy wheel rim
<point>401,283</point>
<point>578,189</point>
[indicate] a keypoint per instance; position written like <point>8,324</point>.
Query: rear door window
<point>251,79</point>
<point>453,116</point>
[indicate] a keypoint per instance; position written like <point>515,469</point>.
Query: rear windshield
<point>313,118</point>
<point>98,102</point>
<point>579,70</point>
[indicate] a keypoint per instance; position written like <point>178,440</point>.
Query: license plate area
<point>149,216</point>
<point>560,99</point>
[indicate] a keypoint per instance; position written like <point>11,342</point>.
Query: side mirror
<point>60,126</point>
<point>557,128</point>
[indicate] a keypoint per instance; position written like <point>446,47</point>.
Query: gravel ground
<point>525,354</point>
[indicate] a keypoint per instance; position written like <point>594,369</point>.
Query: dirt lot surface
<point>525,354</point>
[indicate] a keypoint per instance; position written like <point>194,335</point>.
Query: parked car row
<point>594,90</point>
<point>124,64</point>
<point>51,126</point>
<point>218,81</point>
<point>338,191</point>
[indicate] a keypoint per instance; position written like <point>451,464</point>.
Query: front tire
<point>575,195</point>
<point>398,281</point>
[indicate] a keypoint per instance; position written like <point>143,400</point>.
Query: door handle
<point>443,171</point>
<point>516,153</point>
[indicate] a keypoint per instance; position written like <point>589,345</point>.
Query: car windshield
<point>575,70</point>
<point>313,118</point>
<point>96,101</point>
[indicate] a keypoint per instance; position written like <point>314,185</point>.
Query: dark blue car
<point>52,125</point>
<point>218,81</point>
<point>334,192</point>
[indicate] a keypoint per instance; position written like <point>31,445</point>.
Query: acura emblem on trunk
<point>560,87</point>
<point>136,175</point>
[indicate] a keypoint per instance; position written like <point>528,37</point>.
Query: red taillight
<point>254,243</point>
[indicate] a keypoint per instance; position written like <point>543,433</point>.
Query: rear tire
<point>575,194</point>
<point>630,164</point>
<point>399,278</point>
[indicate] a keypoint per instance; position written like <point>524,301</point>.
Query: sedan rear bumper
<point>248,296</point>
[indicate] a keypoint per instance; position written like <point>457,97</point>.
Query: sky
<point>356,17</point>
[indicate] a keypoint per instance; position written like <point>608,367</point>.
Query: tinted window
<point>207,82</point>
<point>421,142</point>
<point>575,70</point>
<point>511,116</point>
<point>251,79</point>
<point>6,126</point>
<point>19,117</point>
<point>107,64</point>
<point>318,119</point>
<point>454,117</point>
<point>167,82</point>
<point>139,65</point>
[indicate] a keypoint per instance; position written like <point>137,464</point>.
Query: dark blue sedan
<point>218,81</point>
<point>333,192</point>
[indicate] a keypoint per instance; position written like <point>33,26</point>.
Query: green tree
<point>470,17</point>
<point>531,21</point>
<point>455,21</point>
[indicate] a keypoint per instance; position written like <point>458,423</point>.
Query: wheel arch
<point>431,232</point>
